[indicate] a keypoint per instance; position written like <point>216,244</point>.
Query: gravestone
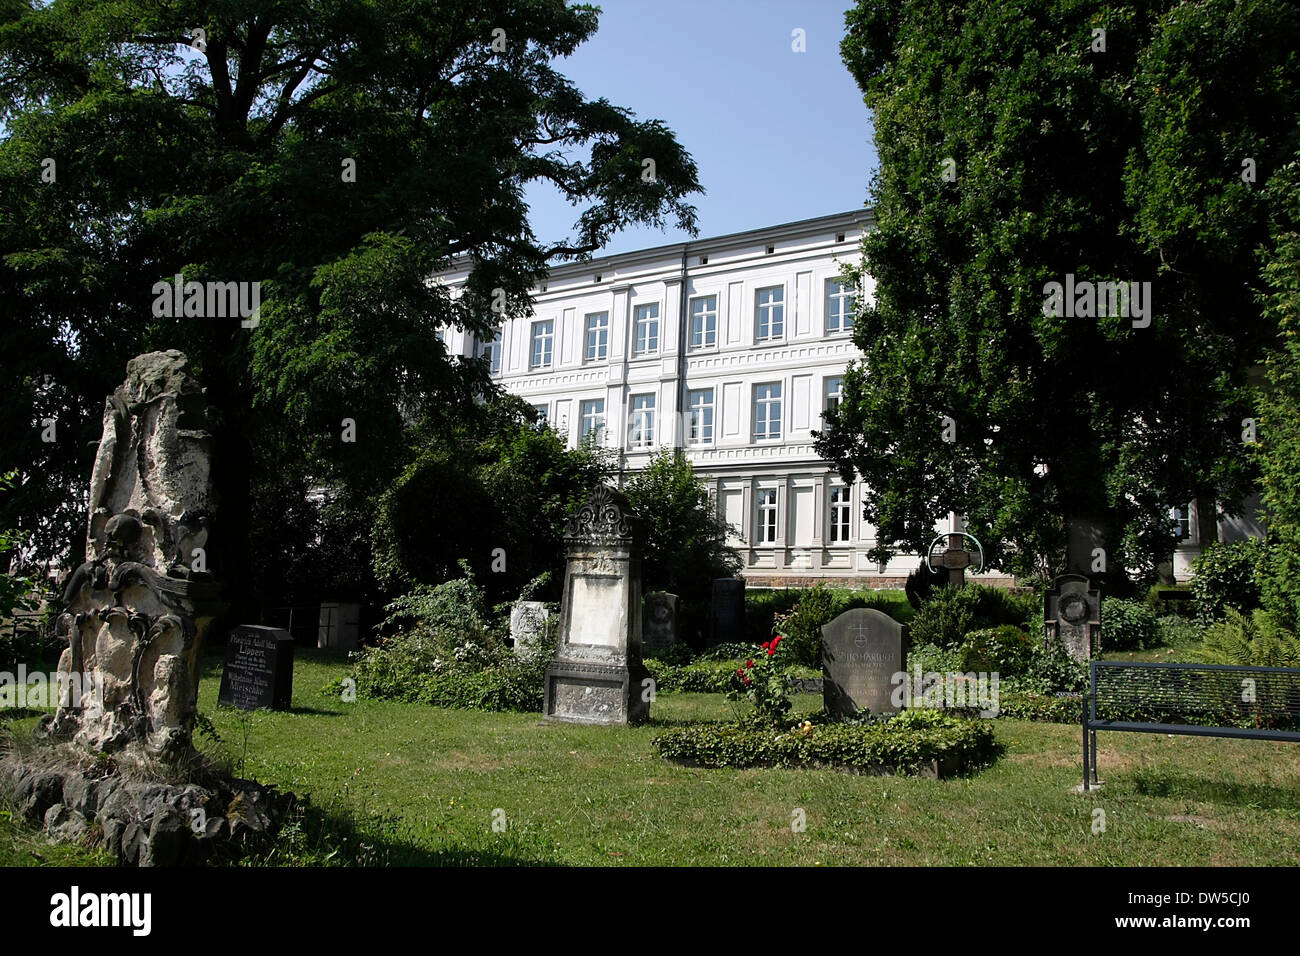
<point>955,557</point>
<point>659,627</point>
<point>259,668</point>
<point>339,626</point>
<point>528,620</point>
<point>597,676</point>
<point>137,610</point>
<point>1072,615</point>
<point>727,621</point>
<point>862,650</point>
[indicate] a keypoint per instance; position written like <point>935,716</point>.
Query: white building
<point>729,348</point>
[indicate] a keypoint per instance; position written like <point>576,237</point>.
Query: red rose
<point>749,663</point>
<point>739,672</point>
<point>771,651</point>
<point>746,676</point>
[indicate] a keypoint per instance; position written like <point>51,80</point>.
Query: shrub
<point>1177,630</point>
<point>801,627</point>
<point>944,619</point>
<point>1257,640</point>
<point>921,584</point>
<point>932,658</point>
<point>1051,670</point>
<point>902,744</point>
<point>1050,708</point>
<point>1228,576</point>
<point>1128,625</point>
<point>698,677</point>
<point>454,607</point>
<point>760,681</point>
<point>674,655</point>
<point>1007,650</point>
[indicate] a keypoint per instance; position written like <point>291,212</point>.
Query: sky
<point>777,135</point>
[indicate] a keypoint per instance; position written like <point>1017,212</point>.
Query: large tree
<point>1021,143</point>
<point>337,152</point>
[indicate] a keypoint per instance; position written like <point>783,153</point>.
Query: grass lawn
<point>409,784</point>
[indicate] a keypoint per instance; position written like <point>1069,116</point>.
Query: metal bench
<point>1196,700</point>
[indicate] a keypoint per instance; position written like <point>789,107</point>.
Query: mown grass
<point>395,783</point>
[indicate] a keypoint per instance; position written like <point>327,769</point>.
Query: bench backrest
<point>1211,695</point>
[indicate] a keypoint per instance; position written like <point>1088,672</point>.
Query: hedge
<point>904,744</point>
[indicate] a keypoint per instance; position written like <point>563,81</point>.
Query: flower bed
<point>928,743</point>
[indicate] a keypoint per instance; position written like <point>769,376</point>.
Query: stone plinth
<point>1072,615</point>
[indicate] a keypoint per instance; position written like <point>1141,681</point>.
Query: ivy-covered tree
<point>1078,143</point>
<point>337,153</point>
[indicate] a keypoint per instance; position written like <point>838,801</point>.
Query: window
<point>641,423</point>
<point>1183,516</point>
<point>492,350</point>
<point>593,419</point>
<point>441,335</point>
<point>767,516</point>
<point>543,414</point>
<point>767,412</point>
<point>646,335</point>
<point>839,307</point>
<point>700,425</point>
<point>543,339</point>
<point>704,322</point>
<point>839,514</point>
<point>769,314</point>
<point>597,336</point>
<point>834,393</point>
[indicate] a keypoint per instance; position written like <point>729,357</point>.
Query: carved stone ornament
<point>135,610</point>
<point>605,516</point>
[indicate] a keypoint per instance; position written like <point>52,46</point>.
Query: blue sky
<point>777,135</point>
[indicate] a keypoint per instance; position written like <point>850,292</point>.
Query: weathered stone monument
<point>727,620</point>
<point>597,676</point>
<point>659,626</point>
<point>138,608</point>
<point>528,627</point>
<point>862,650</point>
<point>1072,615</point>
<point>338,626</point>
<point>259,669</point>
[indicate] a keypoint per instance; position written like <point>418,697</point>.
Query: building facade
<point>729,348</point>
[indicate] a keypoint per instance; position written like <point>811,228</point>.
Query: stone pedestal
<point>528,620</point>
<point>597,676</point>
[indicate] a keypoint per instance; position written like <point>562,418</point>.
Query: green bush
<point>1049,708</point>
<point>1007,650</point>
<point>1050,670</point>
<point>1228,576</point>
<point>1178,630</point>
<point>951,613</point>
<point>698,677</point>
<point>1128,625</point>
<point>801,627</point>
<point>902,744</point>
<point>1164,607</point>
<point>932,658</point>
<point>1257,640</point>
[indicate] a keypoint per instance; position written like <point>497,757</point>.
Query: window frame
<point>536,338</point>
<point>771,308</point>
<point>777,400</point>
<point>765,507</point>
<point>602,332</point>
<point>691,408</point>
<point>640,318</point>
<point>704,314</point>
<point>642,417</point>
<point>846,297</point>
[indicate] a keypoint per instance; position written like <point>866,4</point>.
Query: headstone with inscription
<point>259,668</point>
<point>1072,615</point>
<point>862,650</point>
<point>659,627</point>
<point>597,676</point>
<point>727,624</point>
<point>528,620</point>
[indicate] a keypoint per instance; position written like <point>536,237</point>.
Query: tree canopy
<point>1081,143</point>
<point>337,153</point>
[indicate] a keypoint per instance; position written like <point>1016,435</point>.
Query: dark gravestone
<point>862,650</point>
<point>659,627</point>
<point>259,668</point>
<point>727,622</point>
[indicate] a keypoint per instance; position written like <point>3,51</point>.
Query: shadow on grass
<point>1163,782</point>
<point>341,836</point>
